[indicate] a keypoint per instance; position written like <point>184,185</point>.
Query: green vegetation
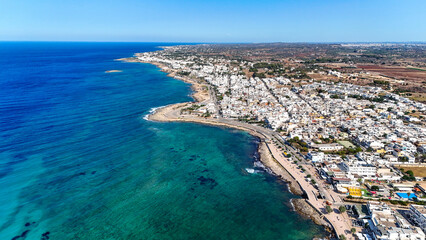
<point>206,115</point>
<point>183,73</point>
<point>418,69</point>
<point>381,82</point>
<point>301,75</point>
<point>259,75</point>
<point>375,99</point>
<point>394,202</point>
<point>408,175</point>
<point>328,209</point>
<point>347,151</point>
<point>299,144</point>
<point>322,60</point>
<point>192,108</point>
<point>271,66</point>
<point>346,144</point>
<point>342,209</point>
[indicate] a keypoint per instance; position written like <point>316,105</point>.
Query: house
<point>387,224</point>
<point>328,147</point>
<point>376,145</point>
<point>316,156</point>
<point>342,181</point>
<point>405,187</point>
<point>360,168</point>
<point>417,213</point>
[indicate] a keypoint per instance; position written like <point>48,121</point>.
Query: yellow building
<point>381,150</point>
<point>354,191</point>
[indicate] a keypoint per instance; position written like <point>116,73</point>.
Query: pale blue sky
<point>214,21</point>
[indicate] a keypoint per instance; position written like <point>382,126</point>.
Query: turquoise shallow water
<point>78,161</point>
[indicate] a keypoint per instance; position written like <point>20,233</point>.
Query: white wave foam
<point>150,112</point>
<point>252,171</point>
<point>292,204</point>
<point>259,164</point>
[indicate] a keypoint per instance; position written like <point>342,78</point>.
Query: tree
<point>353,230</point>
<point>375,188</point>
<point>409,172</point>
<point>342,237</point>
<point>408,178</point>
<point>328,209</point>
<point>342,209</point>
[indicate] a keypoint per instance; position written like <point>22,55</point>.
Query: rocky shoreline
<point>171,113</point>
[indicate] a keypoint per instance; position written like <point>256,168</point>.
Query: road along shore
<point>268,151</point>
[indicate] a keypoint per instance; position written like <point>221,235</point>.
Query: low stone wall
<point>410,165</point>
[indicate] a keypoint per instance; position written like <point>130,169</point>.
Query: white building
<point>329,147</point>
<point>360,168</point>
<point>387,224</point>
<point>316,156</point>
<point>418,215</point>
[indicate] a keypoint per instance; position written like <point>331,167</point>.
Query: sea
<point>78,160</point>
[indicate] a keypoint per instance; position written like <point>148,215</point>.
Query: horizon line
<point>184,42</point>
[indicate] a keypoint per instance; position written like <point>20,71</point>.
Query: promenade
<point>340,222</point>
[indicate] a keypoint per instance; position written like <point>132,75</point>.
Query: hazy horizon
<point>220,21</point>
<point>84,41</point>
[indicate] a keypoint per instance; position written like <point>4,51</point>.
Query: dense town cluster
<point>356,137</point>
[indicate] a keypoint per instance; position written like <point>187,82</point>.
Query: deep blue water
<point>78,161</point>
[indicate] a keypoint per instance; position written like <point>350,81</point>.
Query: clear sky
<point>214,21</point>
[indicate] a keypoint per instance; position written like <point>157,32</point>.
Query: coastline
<point>172,113</point>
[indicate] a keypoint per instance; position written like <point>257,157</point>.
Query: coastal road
<point>339,222</point>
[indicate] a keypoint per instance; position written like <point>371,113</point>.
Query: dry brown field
<point>397,72</point>
<point>418,171</point>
